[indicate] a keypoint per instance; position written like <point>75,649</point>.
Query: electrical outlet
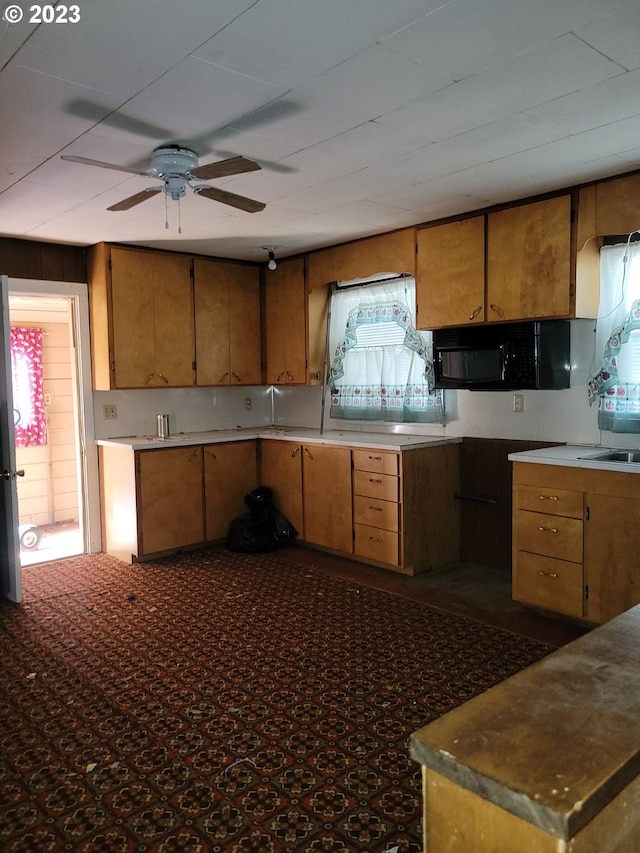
<point>247,403</point>
<point>518,402</point>
<point>109,412</point>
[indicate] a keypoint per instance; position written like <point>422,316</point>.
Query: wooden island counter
<point>548,761</point>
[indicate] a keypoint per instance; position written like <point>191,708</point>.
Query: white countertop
<point>373,440</point>
<point>572,456</point>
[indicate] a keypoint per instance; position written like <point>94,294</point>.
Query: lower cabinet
<point>312,488</point>
<point>326,497</point>
<point>230,472</point>
<point>281,471</point>
<point>169,499</point>
<point>376,506</point>
<point>576,540</point>
<point>161,500</point>
<point>393,509</point>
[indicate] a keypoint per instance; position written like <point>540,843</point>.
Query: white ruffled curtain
<point>381,369</point>
<point>616,385</point>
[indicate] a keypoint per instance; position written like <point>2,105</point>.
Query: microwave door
<point>471,367</point>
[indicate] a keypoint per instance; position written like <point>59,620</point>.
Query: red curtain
<point>27,383</point>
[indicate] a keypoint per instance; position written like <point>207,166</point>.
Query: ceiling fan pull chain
<point>179,217</point>
<point>166,212</point>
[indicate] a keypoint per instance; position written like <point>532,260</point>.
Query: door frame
<point>10,569</point>
<point>79,292</point>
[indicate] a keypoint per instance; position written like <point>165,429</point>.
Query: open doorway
<point>50,423</point>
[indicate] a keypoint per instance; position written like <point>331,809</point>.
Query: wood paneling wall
<point>42,261</point>
<point>485,499</point>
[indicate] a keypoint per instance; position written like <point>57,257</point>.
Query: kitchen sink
<point>631,456</point>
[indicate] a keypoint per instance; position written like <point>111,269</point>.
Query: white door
<point>11,573</point>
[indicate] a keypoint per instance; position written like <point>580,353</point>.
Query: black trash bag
<point>261,529</point>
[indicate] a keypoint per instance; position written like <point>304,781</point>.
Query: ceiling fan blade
<point>127,203</point>
<point>232,166</point>
<point>88,162</point>
<point>225,197</point>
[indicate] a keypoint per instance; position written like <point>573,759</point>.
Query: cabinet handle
<point>164,378</point>
<point>289,376</point>
<point>236,377</point>
<point>295,452</point>
<point>374,458</point>
<point>548,497</point>
<point>211,453</point>
<point>308,453</point>
<point>475,313</point>
<point>547,574</point>
<point>149,378</point>
<point>372,480</point>
<point>279,376</point>
<point>375,539</point>
<point>375,508</point>
<point>498,310</point>
<point>223,377</point>
<point>548,529</point>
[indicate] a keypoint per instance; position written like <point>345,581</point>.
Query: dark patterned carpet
<point>224,702</point>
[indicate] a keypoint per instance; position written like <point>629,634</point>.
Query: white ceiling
<point>365,115</point>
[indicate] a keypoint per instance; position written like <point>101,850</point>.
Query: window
<point>381,369</point>
<point>616,385</point>
<point>27,385</point>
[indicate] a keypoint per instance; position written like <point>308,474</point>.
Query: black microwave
<point>508,356</point>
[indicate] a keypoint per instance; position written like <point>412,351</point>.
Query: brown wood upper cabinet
<point>227,323</point>
<point>512,264</point>
<point>285,323</point>
<point>450,286</point>
<point>529,262</point>
<point>141,318</point>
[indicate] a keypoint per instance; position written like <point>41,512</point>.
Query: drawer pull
<point>548,529</point>
<point>547,574</point>
<point>375,539</point>
<point>374,458</point>
<point>372,480</point>
<point>548,497</point>
<point>375,508</point>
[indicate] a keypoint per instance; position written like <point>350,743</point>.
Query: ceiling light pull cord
<point>179,218</point>
<point>166,212</point>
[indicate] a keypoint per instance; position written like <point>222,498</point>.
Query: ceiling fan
<point>177,168</point>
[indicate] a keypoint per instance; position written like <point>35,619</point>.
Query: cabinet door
<point>286,323</point>
<point>170,498</point>
<point>230,472</point>
<point>227,323</point>
<point>529,261</point>
<point>152,319</point>
<point>612,556</point>
<point>281,471</point>
<point>327,497</point>
<point>450,279</point>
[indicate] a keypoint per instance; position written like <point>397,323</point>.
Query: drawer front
<point>552,584</point>
<point>375,513</point>
<point>374,460</point>
<point>375,544</point>
<point>372,485</point>
<point>550,501</point>
<point>550,535</point>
